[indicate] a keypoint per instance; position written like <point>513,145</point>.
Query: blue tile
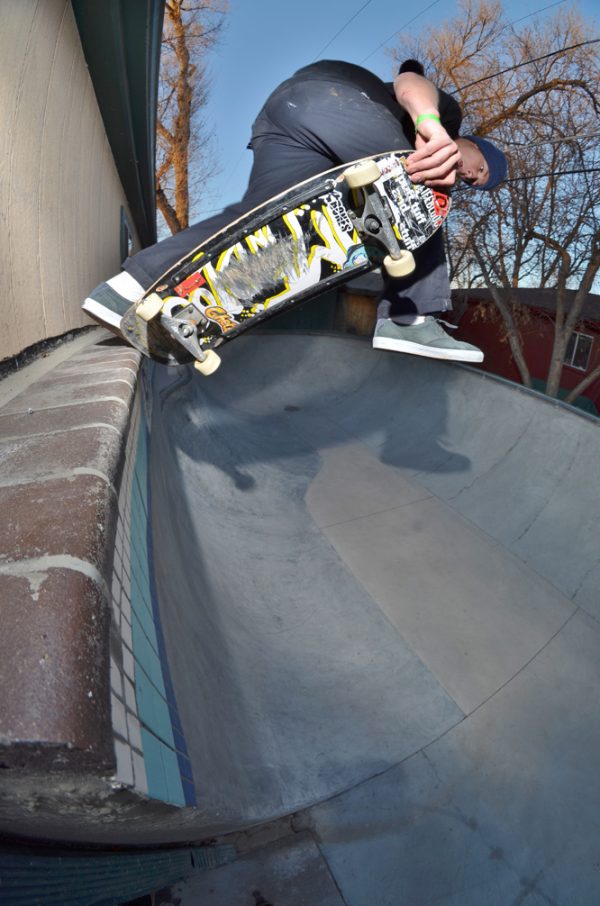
<point>158,787</point>
<point>139,600</point>
<point>189,791</point>
<point>152,709</point>
<point>162,725</point>
<point>145,694</point>
<point>139,547</point>
<point>179,740</point>
<point>140,486</point>
<point>175,720</point>
<point>170,692</point>
<point>146,655</point>
<point>173,777</point>
<point>185,769</point>
<point>140,608</point>
<point>144,620</point>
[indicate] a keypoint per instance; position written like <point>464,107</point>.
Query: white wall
<point>60,195</point>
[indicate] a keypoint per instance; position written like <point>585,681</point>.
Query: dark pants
<point>306,127</point>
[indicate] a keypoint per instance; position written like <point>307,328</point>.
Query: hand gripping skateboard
<point>320,232</point>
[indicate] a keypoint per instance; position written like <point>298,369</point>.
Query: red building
<point>480,322</point>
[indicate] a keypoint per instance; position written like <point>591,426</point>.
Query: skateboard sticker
<point>191,283</point>
<point>338,212</point>
<point>357,255</point>
<point>220,317</point>
<point>418,211</point>
<point>441,204</point>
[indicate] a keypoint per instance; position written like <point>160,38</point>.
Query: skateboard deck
<point>319,233</point>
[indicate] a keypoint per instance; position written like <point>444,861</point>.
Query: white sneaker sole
<point>102,314</point>
<point>428,352</point>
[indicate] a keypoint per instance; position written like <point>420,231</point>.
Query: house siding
<point>60,194</point>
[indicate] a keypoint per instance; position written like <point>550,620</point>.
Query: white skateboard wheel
<point>362,174</point>
<point>399,267</point>
<point>208,365</point>
<point>149,308</point>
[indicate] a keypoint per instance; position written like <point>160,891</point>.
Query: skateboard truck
<point>374,220</point>
<point>183,328</point>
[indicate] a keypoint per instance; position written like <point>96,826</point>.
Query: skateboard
<point>321,232</point>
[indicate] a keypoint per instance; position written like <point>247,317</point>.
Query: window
<point>126,246</point>
<point>578,351</point>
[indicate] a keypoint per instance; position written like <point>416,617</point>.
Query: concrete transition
<point>378,579</point>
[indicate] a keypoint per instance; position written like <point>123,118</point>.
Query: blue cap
<point>494,158</point>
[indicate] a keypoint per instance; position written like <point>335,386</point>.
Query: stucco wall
<point>60,195</point>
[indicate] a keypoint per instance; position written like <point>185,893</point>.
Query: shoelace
<point>446,323</point>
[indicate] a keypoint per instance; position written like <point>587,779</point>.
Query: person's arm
<point>437,155</point>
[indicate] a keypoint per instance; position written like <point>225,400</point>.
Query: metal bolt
<point>372,224</point>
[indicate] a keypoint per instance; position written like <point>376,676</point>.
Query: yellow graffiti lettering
<point>261,239</point>
<point>331,250</point>
<point>293,223</point>
<point>234,251</point>
<point>344,240</point>
<point>211,277</point>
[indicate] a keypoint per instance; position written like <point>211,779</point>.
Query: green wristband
<point>426,116</point>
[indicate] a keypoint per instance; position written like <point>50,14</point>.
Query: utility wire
<point>544,175</point>
<point>534,13</point>
<point>546,56</point>
<point>402,27</point>
<point>557,173</point>
<point>553,141</point>
<point>406,24</point>
<point>343,28</point>
<point>459,189</point>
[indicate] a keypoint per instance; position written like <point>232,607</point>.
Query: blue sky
<point>266,41</point>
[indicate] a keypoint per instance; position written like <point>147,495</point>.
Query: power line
<point>458,190</point>
<point>343,28</point>
<point>546,56</point>
<point>534,13</point>
<point>553,141</point>
<point>557,173</point>
<point>402,27</point>
<point>410,21</point>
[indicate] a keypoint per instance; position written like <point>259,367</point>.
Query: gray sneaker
<point>427,339</point>
<point>109,301</point>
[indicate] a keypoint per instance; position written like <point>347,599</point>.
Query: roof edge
<point>121,41</point>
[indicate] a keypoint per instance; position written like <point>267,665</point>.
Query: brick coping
<point>63,427</point>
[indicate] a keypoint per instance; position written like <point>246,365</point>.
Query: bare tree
<point>191,29</point>
<point>533,90</point>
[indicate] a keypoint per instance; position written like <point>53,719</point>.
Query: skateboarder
<point>329,113</point>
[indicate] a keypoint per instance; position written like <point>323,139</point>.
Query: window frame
<point>574,340</point>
